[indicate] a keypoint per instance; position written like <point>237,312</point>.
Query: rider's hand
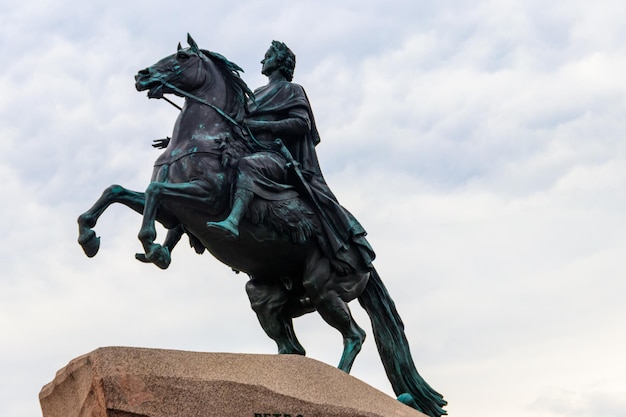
<point>161,143</point>
<point>257,125</point>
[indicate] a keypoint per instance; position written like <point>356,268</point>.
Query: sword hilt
<point>284,151</point>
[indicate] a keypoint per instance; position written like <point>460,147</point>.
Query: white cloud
<point>480,144</point>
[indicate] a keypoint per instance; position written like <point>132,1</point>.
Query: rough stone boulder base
<point>134,382</point>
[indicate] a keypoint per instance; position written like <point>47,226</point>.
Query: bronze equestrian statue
<point>240,177</point>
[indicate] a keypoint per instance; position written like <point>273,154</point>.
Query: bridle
<point>199,100</point>
<point>245,128</point>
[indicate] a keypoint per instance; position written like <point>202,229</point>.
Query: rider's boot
<point>230,225</point>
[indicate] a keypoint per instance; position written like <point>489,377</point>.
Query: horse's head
<point>182,71</point>
<point>193,72</point>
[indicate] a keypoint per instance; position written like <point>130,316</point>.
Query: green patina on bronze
<point>240,177</point>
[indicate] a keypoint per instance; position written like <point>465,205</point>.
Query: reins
<point>214,107</point>
<point>172,103</point>
<point>200,100</point>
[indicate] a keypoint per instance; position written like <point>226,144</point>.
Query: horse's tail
<point>393,348</point>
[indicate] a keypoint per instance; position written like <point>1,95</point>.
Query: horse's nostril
<point>145,71</point>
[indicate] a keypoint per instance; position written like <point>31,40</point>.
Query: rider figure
<point>282,110</point>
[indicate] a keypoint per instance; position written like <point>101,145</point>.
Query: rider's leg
<point>262,174</point>
<point>230,224</point>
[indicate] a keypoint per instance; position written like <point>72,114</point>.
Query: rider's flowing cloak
<point>287,106</point>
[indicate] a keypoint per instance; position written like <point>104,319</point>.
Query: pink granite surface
<point>137,382</point>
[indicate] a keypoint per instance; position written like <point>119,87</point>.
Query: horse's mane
<point>231,71</point>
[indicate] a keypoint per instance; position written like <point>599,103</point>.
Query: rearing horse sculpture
<point>278,246</point>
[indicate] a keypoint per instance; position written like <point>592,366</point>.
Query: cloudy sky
<point>479,142</point>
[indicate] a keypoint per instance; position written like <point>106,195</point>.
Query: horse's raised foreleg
<point>157,196</point>
<point>114,194</point>
<point>172,238</point>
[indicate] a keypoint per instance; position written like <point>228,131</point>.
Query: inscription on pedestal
<point>276,415</point>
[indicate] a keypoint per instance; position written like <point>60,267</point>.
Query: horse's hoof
<point>160,256</point>
<point>141,257</point>
<point>90,243</point>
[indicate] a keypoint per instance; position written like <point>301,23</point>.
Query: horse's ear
<point>192,43</point>
<point>179,46</point>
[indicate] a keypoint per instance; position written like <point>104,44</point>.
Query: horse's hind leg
<point>269,302</point>
<point>319,285</point>
<point>114,194</point>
